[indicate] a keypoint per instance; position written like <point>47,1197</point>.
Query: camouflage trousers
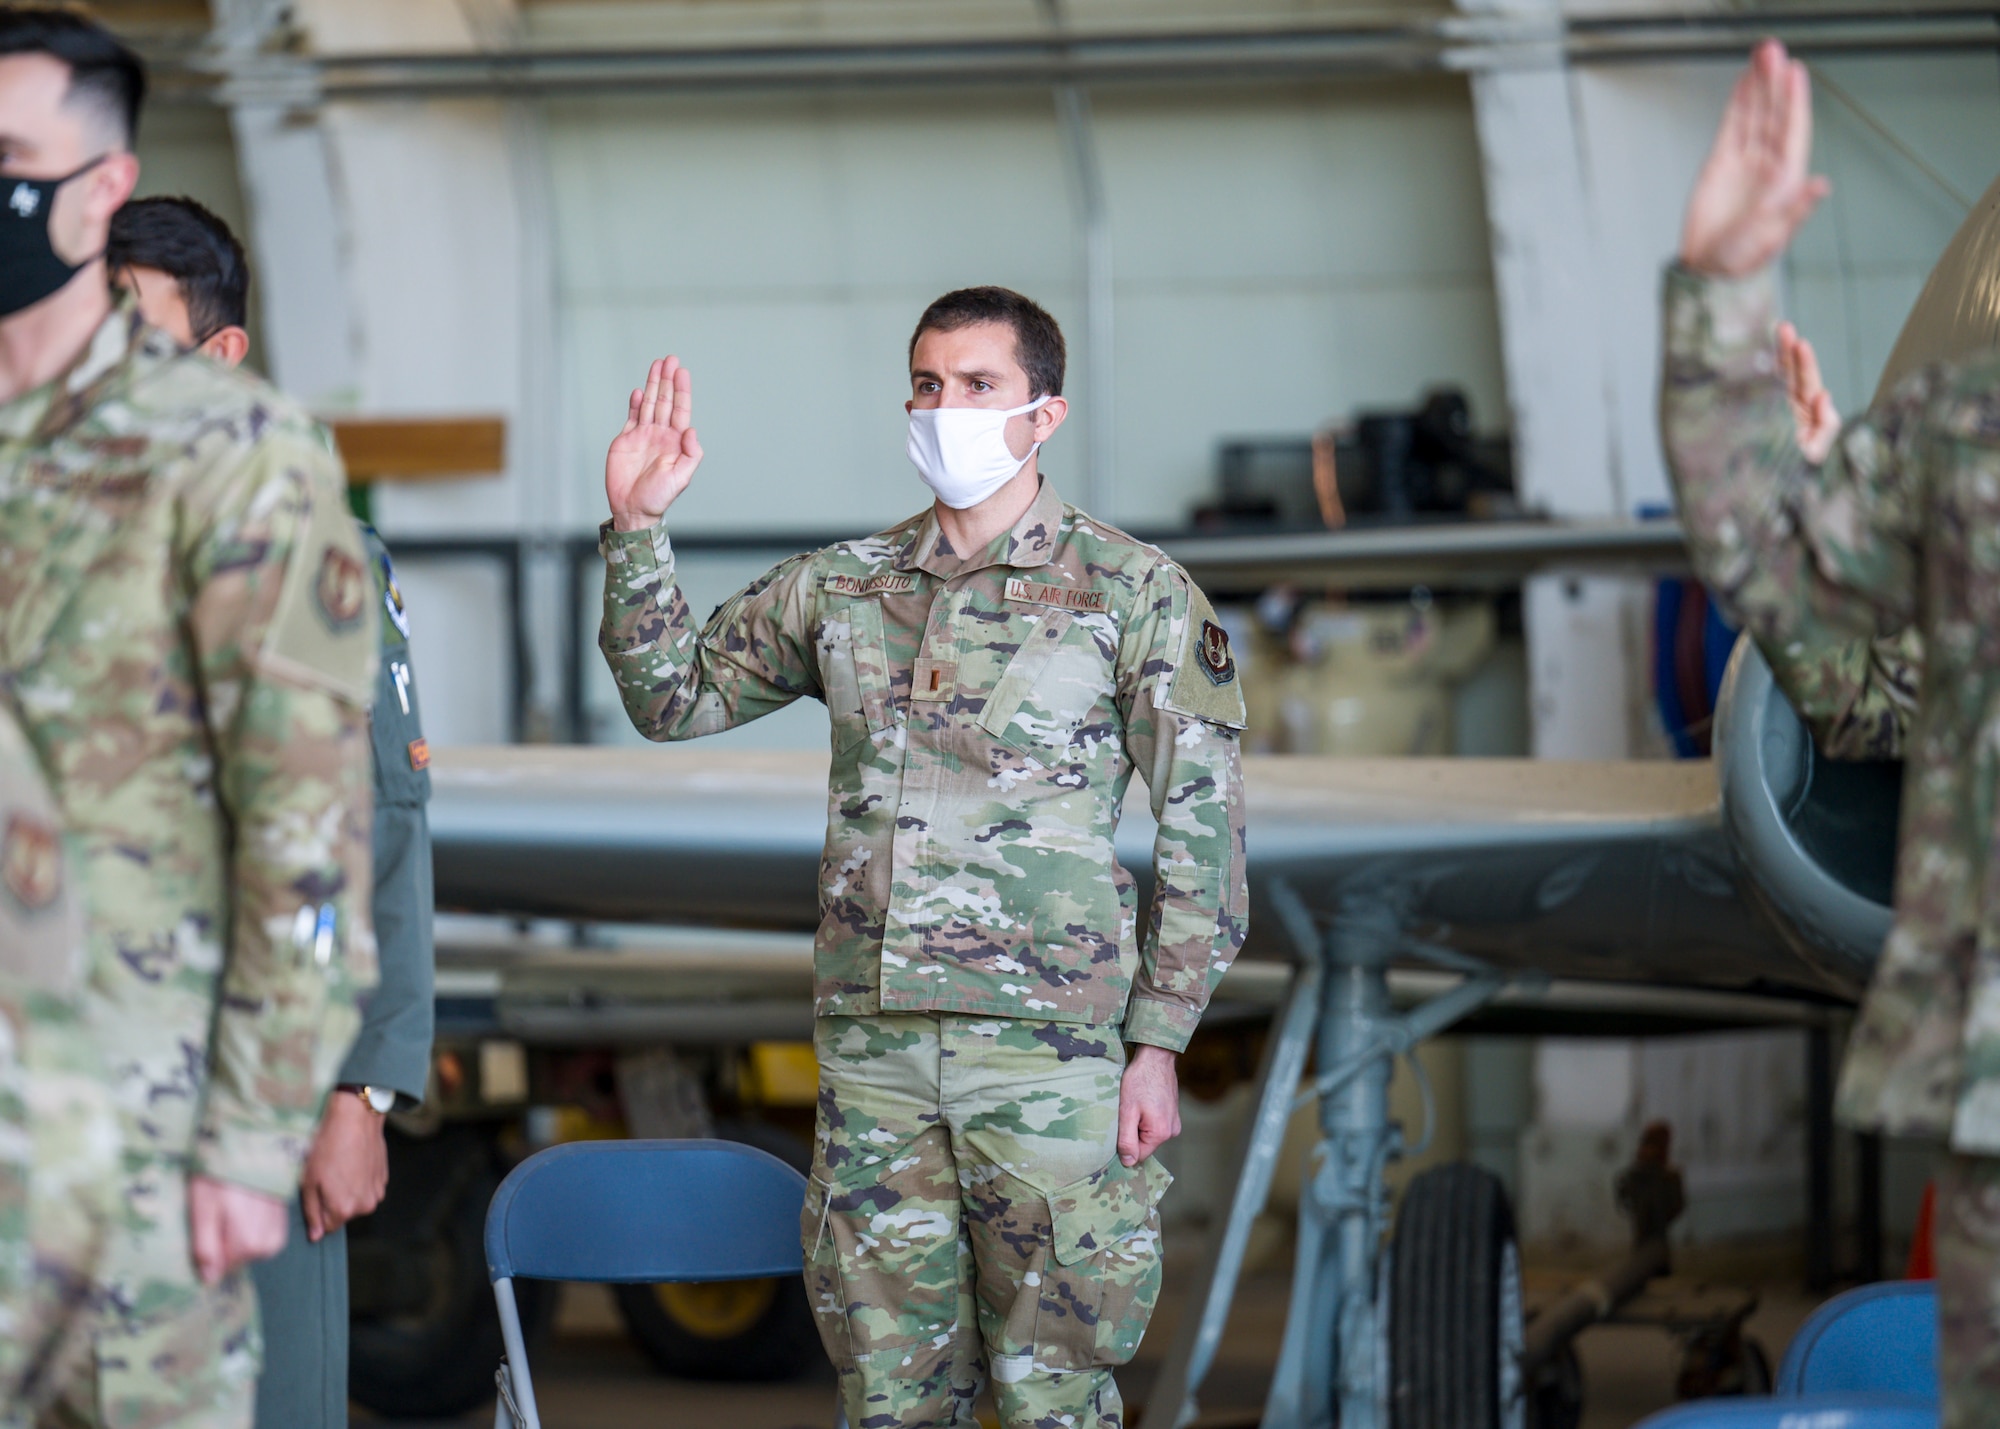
<point>968,1217</point>
<point>58,1160</point>
<point>1967,1253</point>
<point>164,1349</point>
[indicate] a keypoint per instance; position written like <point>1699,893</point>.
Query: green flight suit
<point>302,1293</point>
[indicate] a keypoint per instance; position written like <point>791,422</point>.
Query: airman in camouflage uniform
<point>58,1135</point>
<point>1857,696</point>
<point>1898,529</point>
<point>981,957</point>
<point>184,621</point>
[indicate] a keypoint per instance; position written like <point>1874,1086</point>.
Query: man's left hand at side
<point>347,1170</point>
<point>1149,1104</point>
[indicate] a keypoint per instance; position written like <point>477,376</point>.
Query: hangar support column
<point>401,245</point>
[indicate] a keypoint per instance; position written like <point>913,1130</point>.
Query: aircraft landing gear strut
<point>1333,1365</point>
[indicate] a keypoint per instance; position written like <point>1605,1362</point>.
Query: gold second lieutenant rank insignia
<point>1216,661</point>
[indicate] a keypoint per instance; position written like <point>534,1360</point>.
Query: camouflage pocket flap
<point>1103,1208</point>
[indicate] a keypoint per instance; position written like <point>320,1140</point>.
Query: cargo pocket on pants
<point>882,1267</point>
<point>822,1273</point>
<point>1102,1277</point>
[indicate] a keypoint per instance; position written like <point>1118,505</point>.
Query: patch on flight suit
<point>317,636</point>
<point>31,862</point>
<point>1063,597</point>
<point>898,584</point>
<point>420,755</point>
<point>1203,685</point>
<point>392,599</point>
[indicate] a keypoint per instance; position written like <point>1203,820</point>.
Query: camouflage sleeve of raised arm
<point>1806,559</point>
<point>1183,707</point>
<point>281,628</point>
<point>753,657</point>
<point>1856,696</point>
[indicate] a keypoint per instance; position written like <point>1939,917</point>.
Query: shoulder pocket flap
<point>324,632</point>
<point>1104,1207</point>
<point>1204,683</point>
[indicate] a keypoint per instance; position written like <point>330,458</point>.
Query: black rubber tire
<point>1555,1399</point>
<point>1454,1297</point>
<point>781,1343</point>
<point>431,1352</point>
<point>1757,1377</point>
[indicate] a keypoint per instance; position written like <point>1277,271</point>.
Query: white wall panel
<point>186,150</point>
<point>1281,258</point>
<point>1861,260</point>
<point>1284,258</point>
<point>783,251</point>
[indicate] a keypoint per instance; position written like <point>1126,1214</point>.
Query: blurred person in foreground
<point>189,276</point>
<point>186,635</point>
<point>58,1131</point>
<point>1898,527</point>
<point>997,1021</point>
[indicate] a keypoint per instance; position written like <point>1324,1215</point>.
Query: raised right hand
<point>1754,190</point>
<point>653,458</point>
<point>1815,418</point>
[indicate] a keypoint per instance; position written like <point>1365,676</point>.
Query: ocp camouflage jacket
<point>185,622</point>
<point>987,714</point>
<point>1898,530</point>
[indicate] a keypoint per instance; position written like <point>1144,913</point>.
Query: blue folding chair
<point>1808,1411</point>
<point>634,1212</point>
<point>1880,1338</point>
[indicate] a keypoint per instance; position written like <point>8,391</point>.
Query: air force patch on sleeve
<point>1216,661</point>
<point>340,591</point>
<point>320,635</point>
<point>1203,683</point>
<point>31,858</point>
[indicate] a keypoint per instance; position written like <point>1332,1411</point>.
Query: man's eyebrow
<point>981,374</point>
<point>919,374</point>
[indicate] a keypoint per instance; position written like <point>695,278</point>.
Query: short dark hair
<point>1038,341</point>
<point>103,73</point>
<point>194,248</point>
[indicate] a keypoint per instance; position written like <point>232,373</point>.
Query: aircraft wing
<point>1625,871</point>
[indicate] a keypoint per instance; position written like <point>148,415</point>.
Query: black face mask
<point>30,268</point>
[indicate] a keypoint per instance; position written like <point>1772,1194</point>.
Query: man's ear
<point>228,346</point>
<point>1049,416</point>
<point>112,183</point>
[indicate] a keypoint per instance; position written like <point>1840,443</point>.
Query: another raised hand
<point>1754,191</point>
<point>653,457</point>
<point>1813,412</point>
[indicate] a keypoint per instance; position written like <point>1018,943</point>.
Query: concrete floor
<point>590,1375</point>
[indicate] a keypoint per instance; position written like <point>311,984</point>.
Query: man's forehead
<point>977,347</point>
<point>32,113</point>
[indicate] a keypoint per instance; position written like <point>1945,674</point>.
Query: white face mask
<point>961,452</point>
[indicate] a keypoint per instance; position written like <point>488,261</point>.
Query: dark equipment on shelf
<point>1387,467</point>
